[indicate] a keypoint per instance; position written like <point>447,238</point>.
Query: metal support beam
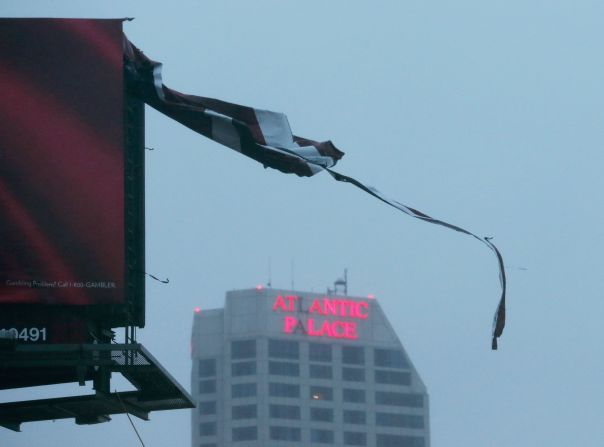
<point>11,425</point>
<point>155,388</point>
<point>93,419</point>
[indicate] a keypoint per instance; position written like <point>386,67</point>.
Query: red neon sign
<point>322,307</point>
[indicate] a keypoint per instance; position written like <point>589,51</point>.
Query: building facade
<point>289,368</point>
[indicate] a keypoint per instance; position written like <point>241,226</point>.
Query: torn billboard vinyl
<point>266,137</point>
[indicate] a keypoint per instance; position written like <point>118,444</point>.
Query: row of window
<point>318,352</point>
<point>317,371</point>
<point>293,412</point>
<point>290,390</point>
<point>322,436</point>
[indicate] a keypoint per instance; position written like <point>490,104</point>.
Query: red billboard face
<point>61,162</point>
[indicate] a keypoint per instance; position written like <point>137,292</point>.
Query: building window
<point>355,438</point>
<point>243,368</point>
<point>284,433</point>
<point>321,414</point>
<point>207,368</point>
<point>206,408</point>
<point>243,349</point>
<point>355,396</point>
<point>284,349</point>
<point>353,374</point>
<point>399,441</point>
<point>321,393</point>
<point>207,428</point>
<point>399,420</point>
<point>399,399</point>
<point>321,436</point>
<point>283,390</point>
<point>244,434</point>
<point>354,417</point>
<point>284,369</point>
<point>243,390</point>
<point>284,411</point>
<point>392,377</point>
<point>390,358</point>
<point>320,371</point>
<point>243,411</point>
<point>207,386</point>
<point>319,352</point>
<point>353,355</point>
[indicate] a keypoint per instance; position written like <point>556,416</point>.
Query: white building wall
<point>256,317</point>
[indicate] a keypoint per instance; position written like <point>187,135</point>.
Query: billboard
<point>71,181</point>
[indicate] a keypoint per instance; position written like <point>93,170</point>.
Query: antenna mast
<point>270,273</point>
<point>341,282</point>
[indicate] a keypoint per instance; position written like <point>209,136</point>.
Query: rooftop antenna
<point>341,282</point>
<point>292,272</point>
<point>269,283</point>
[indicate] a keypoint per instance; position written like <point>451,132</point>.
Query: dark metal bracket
<point>156,389</point>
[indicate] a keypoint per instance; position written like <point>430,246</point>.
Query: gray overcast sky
<point>485,114</point>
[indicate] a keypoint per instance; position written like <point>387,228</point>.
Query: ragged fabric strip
<point>266,137</point>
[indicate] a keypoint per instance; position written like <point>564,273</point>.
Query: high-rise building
<point>289,368</point>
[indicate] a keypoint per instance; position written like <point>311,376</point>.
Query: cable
<point>129,418</point>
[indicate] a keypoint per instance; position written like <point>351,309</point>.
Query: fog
<point>485,114</point>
